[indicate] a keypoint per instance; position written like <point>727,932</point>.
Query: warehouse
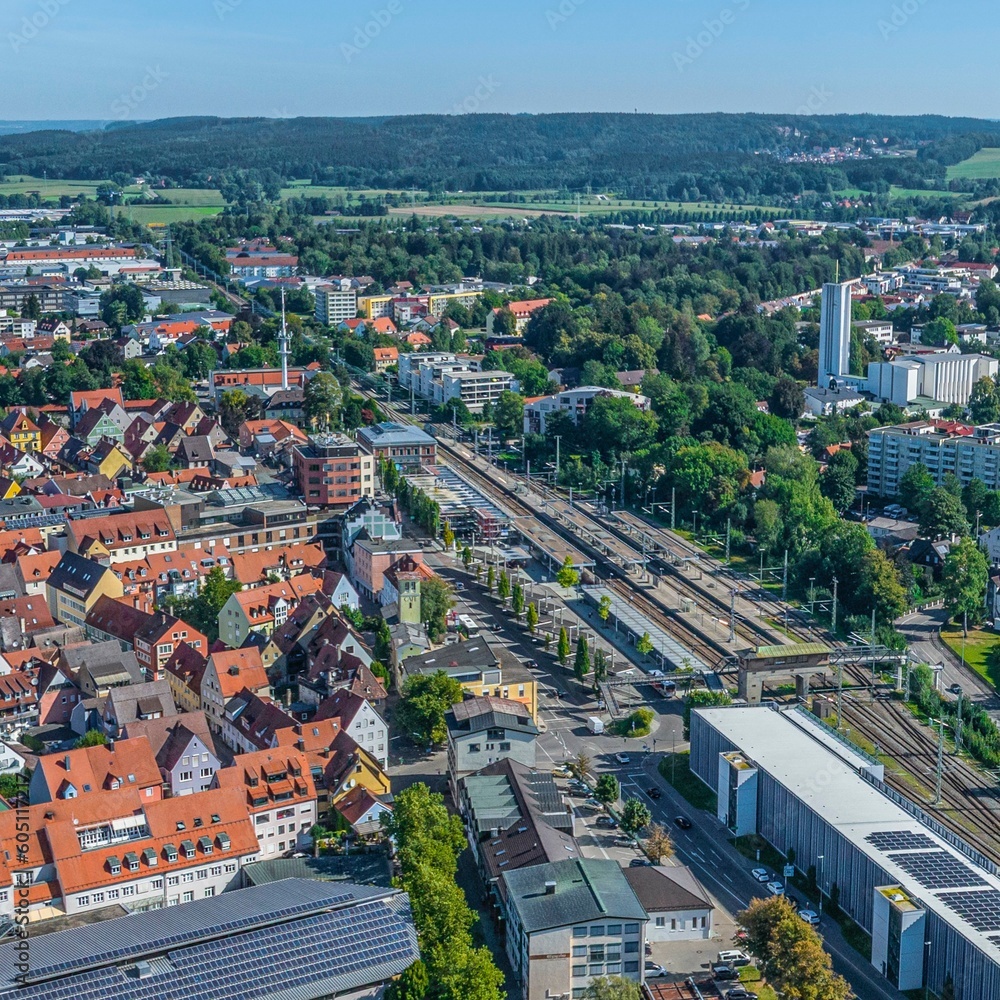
<point>928,899</point>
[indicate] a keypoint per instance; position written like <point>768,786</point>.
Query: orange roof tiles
<point>238,669</point>
<point>252,567</point>
<point>94,770</point>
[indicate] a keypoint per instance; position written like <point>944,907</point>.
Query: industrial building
<point>942,446</point>
<point>930,902</point>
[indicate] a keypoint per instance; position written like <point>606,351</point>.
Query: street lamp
<point>820,859</point>
<point>927,969</point>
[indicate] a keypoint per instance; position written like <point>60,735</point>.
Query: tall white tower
<point>835,333</point>
<point>283,344</point>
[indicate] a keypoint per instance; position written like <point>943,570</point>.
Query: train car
<point>666,689</point>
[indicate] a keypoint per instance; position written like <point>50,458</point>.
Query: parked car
<point>761,874</point>
<point>955,688</point>
<point>809,916</point>
<point>607,822</point>
<point>655,793</point>
<point>623,842</point>
<point>739,993</point>
<point>531,664</point>
<point>623,758</point>
<point>640,863</point>
<point>561,771</point>
<point>683,822</point>
<point>735,958</point>
<point>721,971</point>
<point>776,888</point>
<point>653,971</point>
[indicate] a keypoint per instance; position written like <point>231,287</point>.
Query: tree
<point>568,576</point>
<point>635,816</point>
<point>607,789</point>
<point>644,644</point>
<point>943,515</point>
<point>202,609</point>
<point>235,408</point>
<point>503,586</point>
<point>32,308</point>
<point>658,844</point>
<point>612,988</point>
<point>915,486</point>
<point>122,304</point>
<point>447,535</point>
<point>604,608</point>
<point>490,579</point>
<point>581,664</point>
<point>435,602</point>
<point>508,415</point>
<point>324,399</point>
<point>562,649</point>
<point>157,459</point>
<point>600,667</point>
<point>838,486</point>
<point>466,557</point>
<point>788,399</point>
<point>426,698</point>
<point>517,600</point>
<point>532,617</point>
<point>580,765</point>
<point>504,323</point>
<point>984,402</point>
<point>91,738</point>
<point>702,698</point>
<point>939,332</point>
<point>964,578</point>
<point>137,380</point>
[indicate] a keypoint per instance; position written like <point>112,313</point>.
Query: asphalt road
<point>922,630</point>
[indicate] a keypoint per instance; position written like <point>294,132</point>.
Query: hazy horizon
<point>241,58</point>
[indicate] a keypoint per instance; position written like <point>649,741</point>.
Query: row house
<point>227,673</point>
<point>75,586</point>
<point>87,853</point>
<point>263,609</point>
<point>122,537</point>
<point>152,636</point>
<point>183,748</point>
<point>280,797</point>
<point>89,771</point>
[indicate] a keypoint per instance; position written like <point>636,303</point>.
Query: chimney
<point>66,762</point>
<point>550,888</point>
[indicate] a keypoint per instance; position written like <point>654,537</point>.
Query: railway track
<point>970,798</point>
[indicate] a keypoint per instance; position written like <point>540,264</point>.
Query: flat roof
<point>817,769</point>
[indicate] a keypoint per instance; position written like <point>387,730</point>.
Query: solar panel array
<point>163,944</point>
<point>343,950</point>
<point>980,909</point>
<point>938,870</point>
<point>899,840</point>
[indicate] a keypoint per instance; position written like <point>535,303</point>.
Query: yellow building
<point>110,460</point>
<point>375,306</point>
<point>22,432</point>
<point>76,585</point>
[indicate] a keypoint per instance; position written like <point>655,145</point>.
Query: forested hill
<point>641,155</point>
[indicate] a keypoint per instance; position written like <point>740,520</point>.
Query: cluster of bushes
<point>637,724</point>
<point>980,736</point>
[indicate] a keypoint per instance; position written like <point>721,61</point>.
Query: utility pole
<point>833,609</point>
<point>784,579</point>
<point>621,495</point>
<point>284,345</point>
<point>673,508</point>
<point>840,694</point>
<point>729,534</point>
<point>732,615</point>
<point>958,726</point>
<point>940,764</point>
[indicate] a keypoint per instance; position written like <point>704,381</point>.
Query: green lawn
<point>676,769</point>
<point>159,214</point>
<point>977,647</point>
<point>48,189</point>
<point>753,979</point>
<point>984,165</point>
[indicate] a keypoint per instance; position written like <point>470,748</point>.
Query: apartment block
<point>335,303</point>
<point>333,471</point>
<point>942,446</point>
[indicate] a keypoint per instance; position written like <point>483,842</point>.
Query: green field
<point>984,165</point>
<point>897,193</point>
<point>55,189</point>
<point>159,214</point>
<point>978,644</point>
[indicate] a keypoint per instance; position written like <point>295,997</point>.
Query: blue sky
<point>141,59</point>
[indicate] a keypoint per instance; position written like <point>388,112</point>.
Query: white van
<point>736,958</point>
<point>595,725</point>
